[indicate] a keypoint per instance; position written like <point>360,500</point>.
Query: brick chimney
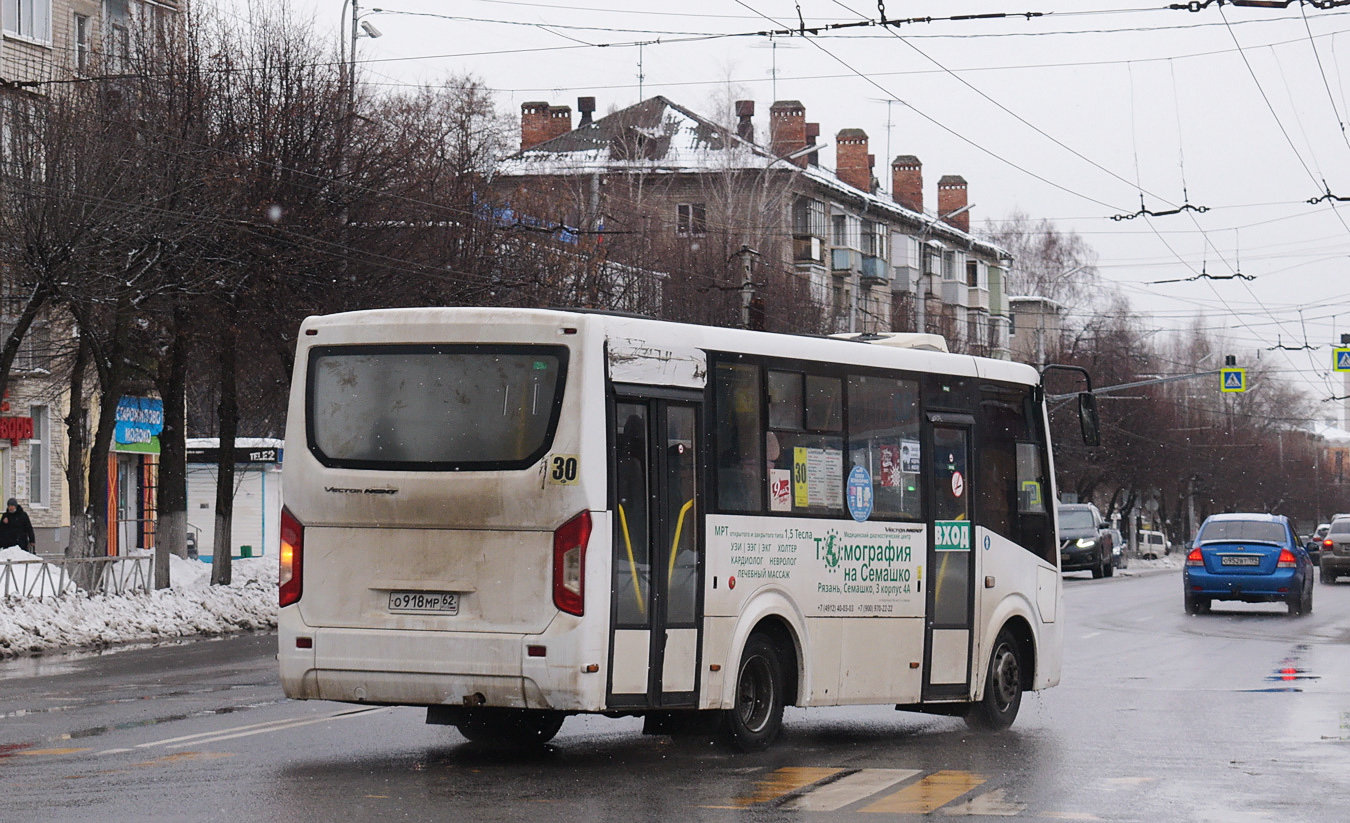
<point>745,127</point>
<point>850,159</point>
<point>787,129</point>
<point>559,121</point>
<point>534,124</point>
<point>952,196</point>
<point>812,132</point>
<point>586,108</point>
<point>907,182</point>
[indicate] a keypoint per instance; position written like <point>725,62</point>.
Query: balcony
<point>843,262</point>
<point>807,248</point>
<point>875,271</point>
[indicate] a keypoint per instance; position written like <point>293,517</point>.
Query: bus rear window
<point>433,408</point>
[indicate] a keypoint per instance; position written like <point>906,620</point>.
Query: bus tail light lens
<point>569,563</point>
<point>1195,558</point>
<point>1287,560</point>
<point>292,549</point>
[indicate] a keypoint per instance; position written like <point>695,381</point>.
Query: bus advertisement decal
<point>831,567</point>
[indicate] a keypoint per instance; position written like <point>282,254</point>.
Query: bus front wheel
<point>511,727</point>
<point>756,718</point>
<point>1002,687</point>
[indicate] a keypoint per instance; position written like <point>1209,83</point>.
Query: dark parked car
<point>1084,540</point>
<point>1314,544</point>
<point>1254,558</point>
<point>1336,551</point>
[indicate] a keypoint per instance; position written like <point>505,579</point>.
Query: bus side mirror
<point>1088,420</point>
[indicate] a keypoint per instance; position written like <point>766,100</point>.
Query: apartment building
<point>43,45</point>
<point>873,261</point>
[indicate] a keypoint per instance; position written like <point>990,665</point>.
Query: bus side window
<point>883,437</point>
<point>741,484</point>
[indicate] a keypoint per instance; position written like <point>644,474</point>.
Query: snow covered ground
<point>191,606</point>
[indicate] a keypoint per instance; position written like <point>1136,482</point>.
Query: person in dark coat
<point>15,527</point>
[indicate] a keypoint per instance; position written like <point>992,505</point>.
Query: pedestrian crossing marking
<point>928,795</point>
<point>849,789</point>
<point>784,781</point>
<point>992,804</point>
<point>40,752</point>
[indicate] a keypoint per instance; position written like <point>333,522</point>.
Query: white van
<point>1152,545</point>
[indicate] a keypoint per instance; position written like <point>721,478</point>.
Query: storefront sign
<point>139,419</point>
<point>15,429</point>
<point>242,454</point>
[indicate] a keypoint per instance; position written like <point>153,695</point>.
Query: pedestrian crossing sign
<point>1233,380</point>
<point>1340,359</point>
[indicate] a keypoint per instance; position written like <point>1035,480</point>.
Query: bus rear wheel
<point>509,727</point>
<point>1002,687</point>
<point>756,718</point>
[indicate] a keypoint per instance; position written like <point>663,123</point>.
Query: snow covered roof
<point>659,136</point>
<point>1332,434</point>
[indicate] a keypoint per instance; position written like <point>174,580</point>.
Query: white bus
<point>511,516</point>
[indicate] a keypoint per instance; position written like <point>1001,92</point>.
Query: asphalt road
<point>1240,715</point>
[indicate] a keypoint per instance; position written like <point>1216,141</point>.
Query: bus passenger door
<point>950,560</point>
<point>657,554</point>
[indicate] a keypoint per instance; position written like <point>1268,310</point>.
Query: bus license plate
<point>1240,560</point>
<point>424,602</point>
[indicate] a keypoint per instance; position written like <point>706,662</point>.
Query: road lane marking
<point>784,781</point>
<point>849,789</point>
<point>993,804</point>
<point>928,795</point>
<point>253,728</point>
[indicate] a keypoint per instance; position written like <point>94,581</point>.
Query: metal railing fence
<point>39,578</point>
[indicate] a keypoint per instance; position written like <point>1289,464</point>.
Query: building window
<point>874,239</point>
<point>82,43</point>
<point>28,18</point>
<point>949,265</point>
<point>691,219</point>
<point>810,217</point>
<point>846,232</point>
<point>39,457</point>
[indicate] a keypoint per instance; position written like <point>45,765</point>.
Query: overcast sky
<point>1069,114</point>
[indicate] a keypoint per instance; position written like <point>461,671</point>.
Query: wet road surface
<point>1240,715</point>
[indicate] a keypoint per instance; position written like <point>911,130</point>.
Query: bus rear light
<point>1195,558</point>
<point>569,564</point>
<point>536,651</point>
<point>1287,560</point>
<point>292,550</point>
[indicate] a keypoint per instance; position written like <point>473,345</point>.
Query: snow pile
<point>25,575</point>
<point>190,607</point>
<point>1174,560</point>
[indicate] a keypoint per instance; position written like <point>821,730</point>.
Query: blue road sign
<point>1340,359</point>
<point>1233,380</point>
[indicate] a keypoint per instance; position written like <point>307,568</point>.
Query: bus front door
<point>657,554</point>
<point>950,560</point>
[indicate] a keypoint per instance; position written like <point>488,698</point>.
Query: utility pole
<point>748,300</point>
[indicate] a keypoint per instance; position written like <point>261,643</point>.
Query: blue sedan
<point>1254,558</point>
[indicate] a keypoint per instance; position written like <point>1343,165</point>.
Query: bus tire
<point>756,718</point>
<point>1002,687</point>
<point>509,727</point>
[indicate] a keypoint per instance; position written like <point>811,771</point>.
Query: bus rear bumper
<point>418,668</point>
